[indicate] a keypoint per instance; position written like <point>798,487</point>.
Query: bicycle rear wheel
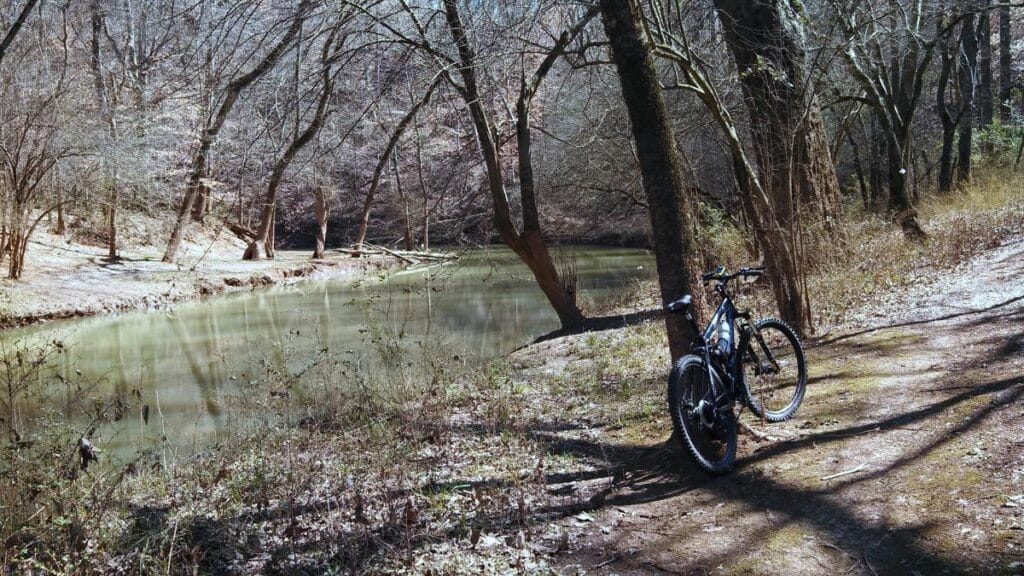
<point>709,435</point>
<point>774,371</point>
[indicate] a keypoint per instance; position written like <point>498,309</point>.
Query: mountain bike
<point>764,370</point>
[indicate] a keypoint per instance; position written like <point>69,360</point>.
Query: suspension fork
<point>764,347</point>
<point>706,354</point>
<point>736,360</point>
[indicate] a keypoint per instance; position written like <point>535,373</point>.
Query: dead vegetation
<point>553,461</point>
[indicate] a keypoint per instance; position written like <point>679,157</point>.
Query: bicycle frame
<point>729,374</point>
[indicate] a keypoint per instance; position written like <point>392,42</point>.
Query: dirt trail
<point>921,422</point>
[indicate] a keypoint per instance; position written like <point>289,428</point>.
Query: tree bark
<point>61,227</point>
<point>1005,70</point>
<point>529,246</point>
<point>322,212</point>
<point>789,136</point>
<point>968,88</point>
<point>985,108</point>
<point>878,160</point>
<point>197,171</point>
<point>949,121</point>
<point>671,209</point>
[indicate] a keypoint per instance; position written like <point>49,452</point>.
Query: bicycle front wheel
<point>774,371</point>
<point>708,434</point>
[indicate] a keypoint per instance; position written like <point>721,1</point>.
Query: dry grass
<point>425,464</point>
<point>876,257</point>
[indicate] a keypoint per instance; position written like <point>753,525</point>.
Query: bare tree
<point>780,250</point>
<point>1005,70</point>
<point>378,171</point>
<point>985,96</point>
<point>968,84</point>
<point>672,211</point>
<point>198,171</point>
<point>262,245</point>
<point>12,32</point>
<point>765,38</point>
<point>107,117</point>
<point>529,243</point>
<point>890,69</point>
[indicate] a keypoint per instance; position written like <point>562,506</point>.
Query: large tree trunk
<point>197,171</point>
<point>529,246</point>
<point>968,87</point>
<point>949,121</point>
<point>670,208</point>
<point>789,136</point>
<point>322,211</point>
<point>898,149</point>
<point>1005,70</point>
<point>985,108</point>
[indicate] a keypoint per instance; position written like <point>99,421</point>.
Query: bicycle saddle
<point>680,305</point>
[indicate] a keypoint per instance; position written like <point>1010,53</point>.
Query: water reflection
<point>190,361</point>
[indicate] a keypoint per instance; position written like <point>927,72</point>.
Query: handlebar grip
<point>715,274</point>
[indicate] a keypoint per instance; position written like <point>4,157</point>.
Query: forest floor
<point>919,422</point>
<point>65,279</point>
<point>906,457</point>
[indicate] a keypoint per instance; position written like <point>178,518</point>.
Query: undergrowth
<point>406,457</point>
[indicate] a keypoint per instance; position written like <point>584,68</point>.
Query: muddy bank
<point>68,280</point>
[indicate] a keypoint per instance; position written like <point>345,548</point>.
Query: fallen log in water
<point>407,256</point>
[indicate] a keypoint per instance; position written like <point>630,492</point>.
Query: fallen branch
<point>406,259</point>
<point>757,434</point>
<point>243,232</point>
<point>404,255</point>
<point>846,472</point>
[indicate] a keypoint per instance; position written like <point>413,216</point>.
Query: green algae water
<point>189,362</point>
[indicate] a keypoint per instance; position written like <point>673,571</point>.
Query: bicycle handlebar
<point>721,275</point>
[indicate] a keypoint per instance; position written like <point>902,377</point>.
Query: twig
<point>834,547</point>
<point>757,434</point>
<point>846,472</point>
<point>662,569</point>
<point>868,564</point>
<point>611,560</point>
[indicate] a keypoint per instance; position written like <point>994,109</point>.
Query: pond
<point>187,362</point>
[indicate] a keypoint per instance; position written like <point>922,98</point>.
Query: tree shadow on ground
<point>877,543</point>
<point>627,475</point>
<point>817,343</point>
<point>604,323</point>
<point>630,475</point>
